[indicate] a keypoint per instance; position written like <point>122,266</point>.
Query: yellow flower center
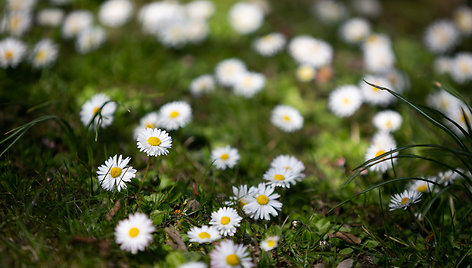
<point>95,110</point>
<point>150,125</point>
<point>225,220</point>
<point>174,114</point>
<point>115,172</point>
<point>262,199</point>
<point>154,141</point>
<point>267,38</point>
<point>242,203</point>
<point>279,177</point>
<point>14,23</point>
<point>204,235</point>
<point>388,124</point>
<point>224,156</point>
<point>305,73</point>
<point>346,101</point>
<point>286,118</point>
<point>8,54</point>
<point>375,89</point>
<point>41,55</point>
<point>232,259</point>
<point>405,200</point>
<point>133,232</point>
<point>464,118</point>
<point>271,243</point>
<point>422,188</point>
<point>247,81</point>
<point>379,153</point>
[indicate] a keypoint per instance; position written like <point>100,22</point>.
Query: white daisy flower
<point>224,157</point>
<point>99,107</point>
<point>44,53</point>
<point>368,8</point>
<point>421,186</point>
<point>398,79</point>
<point>387,121</point>
<point>229,255</point>
<point>373,95</point>
<point>51,17</point>
<point>344,101</point>
<point>200,9</point>
<point>280,177</point>
<point>76,22</point>
<point>382,143</point>
<point>12,52</point>
<point>355,30</point>
<point>249,84</point>
<point>203,234</point>
<point>441,36</point>
<point>245,17</point>
<point>150,120</point>
<point>240,195</point>
<point>225,220</point>
<point>174,115</point>
<point>329,11</point>
<point>305,73</point>
<point>17,5</point>
<point>270,243</point>
<point>228,71</point>
<point>378,54</point>
<point>154,142</point>
<point>193,265</point>
<point>202,84</point>
<point>443,101</point>
<point>155,16</point>
<point>196,31</point>
<point>461,70</point>
<point>286,118</point>
<point>134,233</point>
<point>311,51</point>
<point>290,163</point>
<point>447,177</point>
<point>461,115</point>
<point>443,65</point>
<point>270,44</point>
<point>90,39</point>
<point>115,173</point>
<point>463,19</point>
<point>16,22</point>
<point>115,13</point>
<point>174,34</point>
<point>263,203</point>
<point>404,200</point>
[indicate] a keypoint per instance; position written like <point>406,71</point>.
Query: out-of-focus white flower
<point>329,11</point>
<point>16,22</point>
<point>245,17</point>
<point>76,22</point>
<point>463,19</point>
<point>115,13</point>
<point>90,39</point>
<point>311,51</point>
<point>441,36</point>
<point>51,17</point>
<point>270,44</point>
<point>355,30</point>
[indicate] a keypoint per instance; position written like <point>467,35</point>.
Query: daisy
<point>224,157</point>
<point>202,84</point>
<point>228,255</point>
<point>421,186</point>
<point>280,177</point>
<point>200,9</point>
<point>441,36</point>
<point>249,84</point>
<point>203,234</point>
<point>174,34</point>
<point>355,30</point>
<point>150,120</point>
<point>17,5</point>
<point>287,118</point>
<point>344,101</point>
<point>463,19</point>
<point>154,142</point>
<point>245,17</point>
<point>443,101</point>
<point>462,116</point>
<point>175,115</point>
<point>51,17</point>
<point>289,162</point>
<point>270,243</point>
<point>196,31</point>
<point>378,58</point>
<point>381,144</point>
<point>155,16</point>
<point>12,52</point>
<point>373,95</point>
<point>447,177</point>
<point>368,8</point>
<point>461,70</point>
<point>76,22</point>
<point>240,195</point>
<point>225,220</point>
<point>387,121</point>
<point>193,265</point>
<point>443,65</point>
<point>305,49</point>
<point>134,233</point>
<point>115,172</point>
<point>44,53</point>
<point>115,13</point>
<point>90,39</point>
<point>329,11</point>
<point>398,79</point>
<point>100,108</point>
<point>404,200</point>
<point>16,22</point>
<point>263,203</point>
<point>227,71</point>
<point>270,44</point>
<point>305,73</point>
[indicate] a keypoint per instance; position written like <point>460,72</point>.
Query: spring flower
<point>51,17</point>
<point>461,67</point>
<point>263,203</point>
<point>443,101</point>
<point>305,73</point>
<point>355,30</point>
<point>12,52</point>
<point>16,22</point>
<point>134,233</point>
<point>286,118</point>
<point>175,115</point>
<point>289,163</point>
<point>441,36</point>
<point>305,49</point>
<point>115,172</point>
<point>174,34</point>
<point>249,84</point>
<point>270,243</point>
<point>227,255</point>
<point>76,22</point>
<point>228,71</point>
<point>203,234</point>
<point>100,108</point>
<point>224,157</point>
<point>381,144</point>
<point>245,18</point>
<point>329,11</point>
<point>225,220</point>
<point>461,116</point>
<point>463,19</point>
<point>447,177</point>
<point>150,120</point>
<point>270,44</point>
<point>373,95</point>
<point>387,121</point>
<point>154,142</point>
<point>200,9</point>
<point>202,84</point>
<point>378,54</point>
<point>443,65</point>
<point>344,101</point>
<point>404,200</point>
<point>280,177</point>
<point>196,31</point>
<point>44,53</point>
<point>368,8</point>
<point>398,79</point>
<point>90,39</point>
<point>115,13</point>
<point>155,16</point>
<point>18,5</point>
<point>421,186</point>
<point>193,265</point>
<point>240,195</point>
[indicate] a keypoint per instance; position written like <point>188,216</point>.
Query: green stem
<point>142,180</point>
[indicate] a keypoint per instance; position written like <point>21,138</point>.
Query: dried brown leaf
<point>350,238</point>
